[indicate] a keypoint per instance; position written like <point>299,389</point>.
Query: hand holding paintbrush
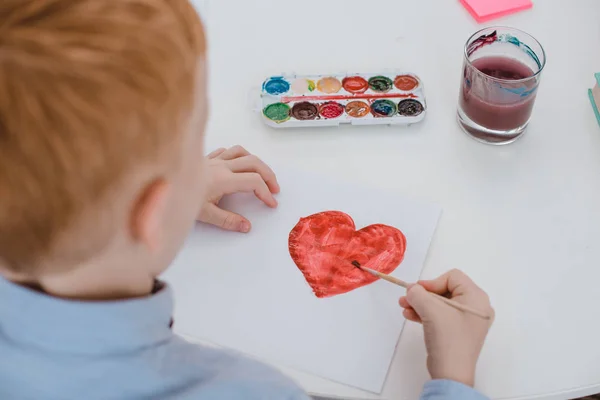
<point>453,339</point>
<point>406,285</point>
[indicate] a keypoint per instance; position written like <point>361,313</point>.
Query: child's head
<point>102,113</point>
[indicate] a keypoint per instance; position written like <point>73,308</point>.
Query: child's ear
<point>147,215</point>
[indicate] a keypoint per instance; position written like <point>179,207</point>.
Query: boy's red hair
<point>89,89</point>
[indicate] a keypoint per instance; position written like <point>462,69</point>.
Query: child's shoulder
<point>224,374</point>
<point>173,370</point>
<point>58,349</point>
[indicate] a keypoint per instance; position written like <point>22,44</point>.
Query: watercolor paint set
<point>393,98</point>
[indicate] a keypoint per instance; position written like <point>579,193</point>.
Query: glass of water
<point>501,72</point>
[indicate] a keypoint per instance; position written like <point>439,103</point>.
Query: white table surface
<point>523,220</point>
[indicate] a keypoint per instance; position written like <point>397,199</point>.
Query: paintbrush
<point>405,285</point>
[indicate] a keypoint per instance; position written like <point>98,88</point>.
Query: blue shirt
<point>52,348</point>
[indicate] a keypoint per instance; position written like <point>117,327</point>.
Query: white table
<point>523,220</point>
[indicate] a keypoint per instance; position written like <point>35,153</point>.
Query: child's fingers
<point>455,282</point>
<point>252,163</point>
<point>234,152</point>
<point>251,182</point>
<point>411,315</point>
<point>211,214</point>
<point>216,153</point>
<point>408,312</point>
<point>403,302</point>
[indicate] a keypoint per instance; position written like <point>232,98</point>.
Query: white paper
<point>243,291</point>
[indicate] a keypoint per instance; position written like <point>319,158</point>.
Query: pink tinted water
<point>487,105</point>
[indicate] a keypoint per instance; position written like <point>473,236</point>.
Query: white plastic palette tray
<point>389,98</point>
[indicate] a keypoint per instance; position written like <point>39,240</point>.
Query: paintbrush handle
<point>386,277</point>
<point>451,303</point>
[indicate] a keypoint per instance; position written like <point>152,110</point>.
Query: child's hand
<point>453,338</point>
<point>236,170</point>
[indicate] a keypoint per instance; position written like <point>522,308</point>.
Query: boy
<point>102,113</point>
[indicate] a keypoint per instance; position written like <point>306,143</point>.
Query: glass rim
<point>498,27</point>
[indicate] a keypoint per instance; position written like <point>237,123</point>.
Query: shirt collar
<point>84,327</point>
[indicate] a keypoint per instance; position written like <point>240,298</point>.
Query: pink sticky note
<point>485,10</point>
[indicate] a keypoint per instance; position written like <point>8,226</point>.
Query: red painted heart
<point>324,245</point>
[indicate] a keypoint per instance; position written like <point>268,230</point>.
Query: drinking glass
<point>501,73</point>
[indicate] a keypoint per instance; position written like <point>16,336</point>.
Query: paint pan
<point>388,98</point>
